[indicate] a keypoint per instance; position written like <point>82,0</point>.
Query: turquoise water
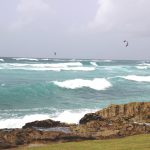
<point>66,89</point>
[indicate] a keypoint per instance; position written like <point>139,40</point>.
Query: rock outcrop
<point>136,111</point>
<point>16,137</point>
<point>112,122</point>
<point>116,121</point>
<point>90,117</point>
<point>44,124</point>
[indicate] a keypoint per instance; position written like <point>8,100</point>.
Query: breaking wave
<point>94,64</point>
<point>29,59</point>
<point>96,84</point>
<point>68,116</point>
<point>72,116</point>
<point>137,78</point>
<point>19,122</point>
<point>2,60</point>
<point>74,66</point>
<point>142,67</point>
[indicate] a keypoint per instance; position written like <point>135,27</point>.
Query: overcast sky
<point>75,28</point>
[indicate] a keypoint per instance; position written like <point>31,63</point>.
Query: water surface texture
<point>65,89</point>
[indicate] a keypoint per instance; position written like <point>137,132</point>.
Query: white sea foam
<point>144,64</point>
<point>2,60</point>
<point>137,78</point>
<point>19,122</point>
<point>73,66</point>
<point>68,116</point>
<point>96,84</point>
<point>44,59</point>
<point>94,64</point>
<point>30,59</point>
<point>54,65</point>
<point>142,67</point>
<point>72,116</point>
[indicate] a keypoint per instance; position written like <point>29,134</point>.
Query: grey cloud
<point>75,29</point>
<point>122,16</point>
<point>28,11</point>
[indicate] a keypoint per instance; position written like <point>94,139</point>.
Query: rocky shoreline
<point>115,121</point>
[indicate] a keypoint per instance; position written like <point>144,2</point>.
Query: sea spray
<point>67,116</point>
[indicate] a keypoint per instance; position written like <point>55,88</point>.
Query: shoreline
<point>115,121</point>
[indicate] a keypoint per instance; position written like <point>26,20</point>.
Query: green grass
<point>139,142</point>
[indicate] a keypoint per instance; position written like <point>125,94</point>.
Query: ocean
<point>66,89</point>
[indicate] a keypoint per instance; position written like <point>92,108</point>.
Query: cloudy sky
<point>75,28</point>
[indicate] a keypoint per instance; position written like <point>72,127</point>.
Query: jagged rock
<point>116,118</point>
<point>44,124</point>
<point>90,117</point>
<point>15,137</point>
<point>133,129</point>
<point>137,111</point>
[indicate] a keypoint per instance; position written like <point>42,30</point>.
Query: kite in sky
<point>126,42</point>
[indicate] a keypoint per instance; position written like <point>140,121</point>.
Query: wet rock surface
<point>44,124</point>
<point>112,122</point>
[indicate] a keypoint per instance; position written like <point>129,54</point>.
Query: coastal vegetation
<point>138,142</point>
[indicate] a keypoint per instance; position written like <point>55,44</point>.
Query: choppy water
<point>65,89</point>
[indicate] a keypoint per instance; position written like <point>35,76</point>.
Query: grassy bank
<point>139,142</point>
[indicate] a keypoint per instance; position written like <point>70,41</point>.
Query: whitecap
<point>44,59</point>
<point>94,64</point>
<point>68,116</point>
<point>96,84</point>
<point>19,122</point>
<point>142,67</point>
<point>72,66</point>
<point>2,60</point>
<point>54,65</point>
<point>144,64</point>
<point>30,59</point>
<point>137,78</point>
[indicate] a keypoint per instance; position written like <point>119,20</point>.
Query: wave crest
<point>73,66</point>
<point>96,84</point>
<point>2,60</point>
<point>137,78</point>
<point>142,67</point>
<point>29,59</point>
<point>94,64</point>
<point>19,122</point>
<point>72,116</point>
<point>68,116</point>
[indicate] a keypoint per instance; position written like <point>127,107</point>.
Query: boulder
<point>90,117</point>
<point>44,124</point>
